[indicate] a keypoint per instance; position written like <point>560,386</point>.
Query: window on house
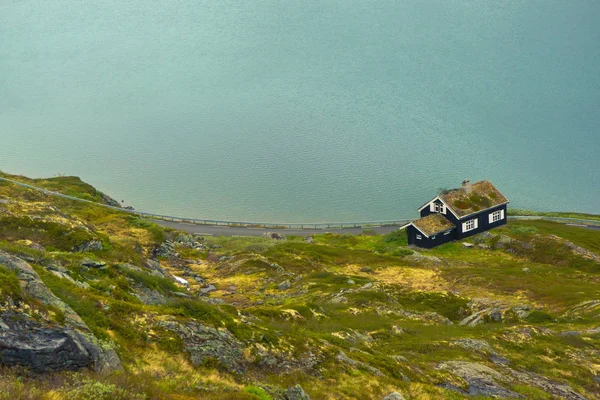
<point>433,237</point>
<point>419,237</point>
<point>438,207</point>
<point>496,216</point>
<point>469,225</point>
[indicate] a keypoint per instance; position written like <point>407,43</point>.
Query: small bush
<point>9,285</point>
<point>163,285</point>
<point>398,236</point>
<point>258,392</point>
<point>539,317</point>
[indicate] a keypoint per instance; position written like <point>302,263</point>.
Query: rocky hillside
<point>98,304</point>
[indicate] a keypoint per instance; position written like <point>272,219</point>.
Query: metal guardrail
<point>557,219</point>
<point>268,225</point>
<point>213,222</point>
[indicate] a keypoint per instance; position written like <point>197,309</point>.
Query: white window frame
<point>470,225</point>
<point>496,216</point>
<point>439,208</point>
<point>433,237</point>
<point>419,237</point>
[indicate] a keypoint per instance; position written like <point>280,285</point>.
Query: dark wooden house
<point>458,213</point>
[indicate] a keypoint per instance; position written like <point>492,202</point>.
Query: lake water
<point>304,111</point>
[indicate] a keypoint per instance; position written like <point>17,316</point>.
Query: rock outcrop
<point>296,393</point>
<point>203,343</point>
<point>485,381</point>
<point>70,346</point>
<point>92,245</point>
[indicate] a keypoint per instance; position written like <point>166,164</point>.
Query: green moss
<point>49,234</point>
<point>539,317</point>
<point>162,285</point>
<point>258,392</point>
<point>9,285</point>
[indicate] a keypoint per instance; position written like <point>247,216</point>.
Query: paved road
<point>243,231</point>
<point>212,230</point>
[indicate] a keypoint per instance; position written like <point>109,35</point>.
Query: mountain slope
<point>114,306</point>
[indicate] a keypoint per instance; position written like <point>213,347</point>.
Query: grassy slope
<point>307,317</point>
<point>593,217</point>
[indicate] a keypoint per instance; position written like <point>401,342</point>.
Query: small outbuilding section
<point>458,213</point>
<point>430,231</point>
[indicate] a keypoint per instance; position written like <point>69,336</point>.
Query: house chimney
<point>466,186</point>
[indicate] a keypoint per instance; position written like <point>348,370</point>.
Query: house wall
<point>426,211</point>
<point>430,242</point>
<point>482,222</point>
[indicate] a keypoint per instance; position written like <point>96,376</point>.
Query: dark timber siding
<point>430,242</point>
<point>483,222</point>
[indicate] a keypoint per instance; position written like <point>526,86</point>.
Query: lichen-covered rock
<point>40,347</point>
<point>93,263</point>
<point>203,343</point>
<point>485,381</point>
<point>394,396</point>
<point>342,357</point>
<point>296,393</point>
<point>274,235</point>
<point>92,245</point>
<point>109,201</point>
<point>103,357</point>
<point>166,250</point>
<point>285,285</point>
<point>155,268</point>
<point>481,379</point>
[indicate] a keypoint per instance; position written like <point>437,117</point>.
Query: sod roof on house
<point>484,196</point>
<point>432,224</point>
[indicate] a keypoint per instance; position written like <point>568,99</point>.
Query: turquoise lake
<point>305,111</point>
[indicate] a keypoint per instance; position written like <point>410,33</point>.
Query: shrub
<point>539,317</point>
<point>258,392</point>
<point>397,236</point>
<point>163,285</point>
<point>9,285</point>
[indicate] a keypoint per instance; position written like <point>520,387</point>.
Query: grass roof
<point>432,224</point>
<point>483,196</point>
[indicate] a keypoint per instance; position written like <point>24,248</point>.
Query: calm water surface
<point>304,111</point>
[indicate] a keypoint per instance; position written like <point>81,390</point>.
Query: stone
<point>526,270</point>
<point>394,396</point>
<point>166,250</point>
<point>482,380</point>
<point>342,357</point>
<point>350,282</point>
<point>296,393</point>
<point>204,343</point>
<point>468,245</point>
<point>27,343</point>
<point>180,280</point>
<point>102,356</point>
<point>208,289</point>
<point>92,245</point>
<point>155,268</point>
<point>480,346</point>
<point>93,263</point>
<point>149,296</point>
<point>483,246</point>
<point>274,235</point>
<point>285,285</point>
<point>109,201</point>
<point>309,239</point>
<point>367,270</point>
